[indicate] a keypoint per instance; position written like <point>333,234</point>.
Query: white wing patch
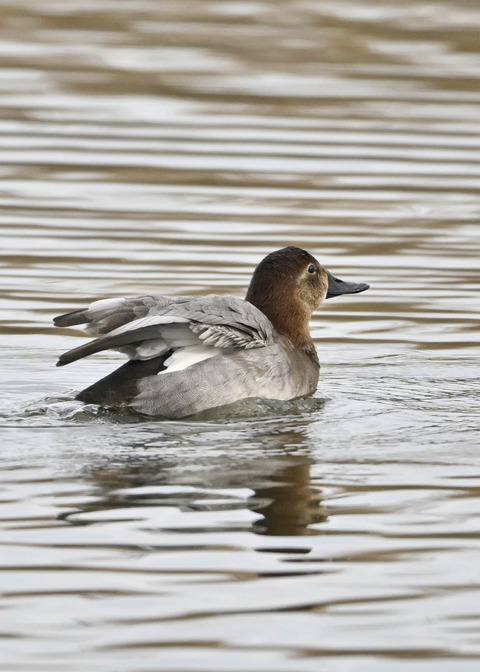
<point>102,304</point>
<point>185,357</point>
<point>151,348</point>
<point>148,321</point>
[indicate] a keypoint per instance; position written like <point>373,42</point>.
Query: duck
<point>189,354</point>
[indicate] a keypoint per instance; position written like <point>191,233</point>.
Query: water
<point>154,147</point>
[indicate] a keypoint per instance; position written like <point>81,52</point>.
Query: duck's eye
<point>311,269</point>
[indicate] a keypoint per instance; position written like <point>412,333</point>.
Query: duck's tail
<point>121,386</point>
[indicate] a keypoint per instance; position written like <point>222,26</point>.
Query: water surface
<point>157,147</point>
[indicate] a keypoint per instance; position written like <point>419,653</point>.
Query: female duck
<point>190,354</point>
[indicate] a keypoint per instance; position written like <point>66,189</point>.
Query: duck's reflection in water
<point>276,473</point>
<point>288,503</point>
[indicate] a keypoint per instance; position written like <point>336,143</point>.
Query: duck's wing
<point>102,317</point>
<point>214,322</point>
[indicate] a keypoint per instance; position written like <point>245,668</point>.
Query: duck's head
<point>288,285</point>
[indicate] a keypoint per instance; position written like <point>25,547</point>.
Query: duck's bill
<point>338,287</point>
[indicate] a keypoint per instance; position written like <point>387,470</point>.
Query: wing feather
<point>169,324</point>
<point>105,315</point>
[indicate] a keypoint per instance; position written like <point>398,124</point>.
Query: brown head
<point>288,285</point>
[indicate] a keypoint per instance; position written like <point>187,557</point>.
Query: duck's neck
<point>290,318</point>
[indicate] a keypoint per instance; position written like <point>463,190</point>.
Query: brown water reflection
<point>281,485</point>
<point>289,505</point>
<point>159,147</point>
